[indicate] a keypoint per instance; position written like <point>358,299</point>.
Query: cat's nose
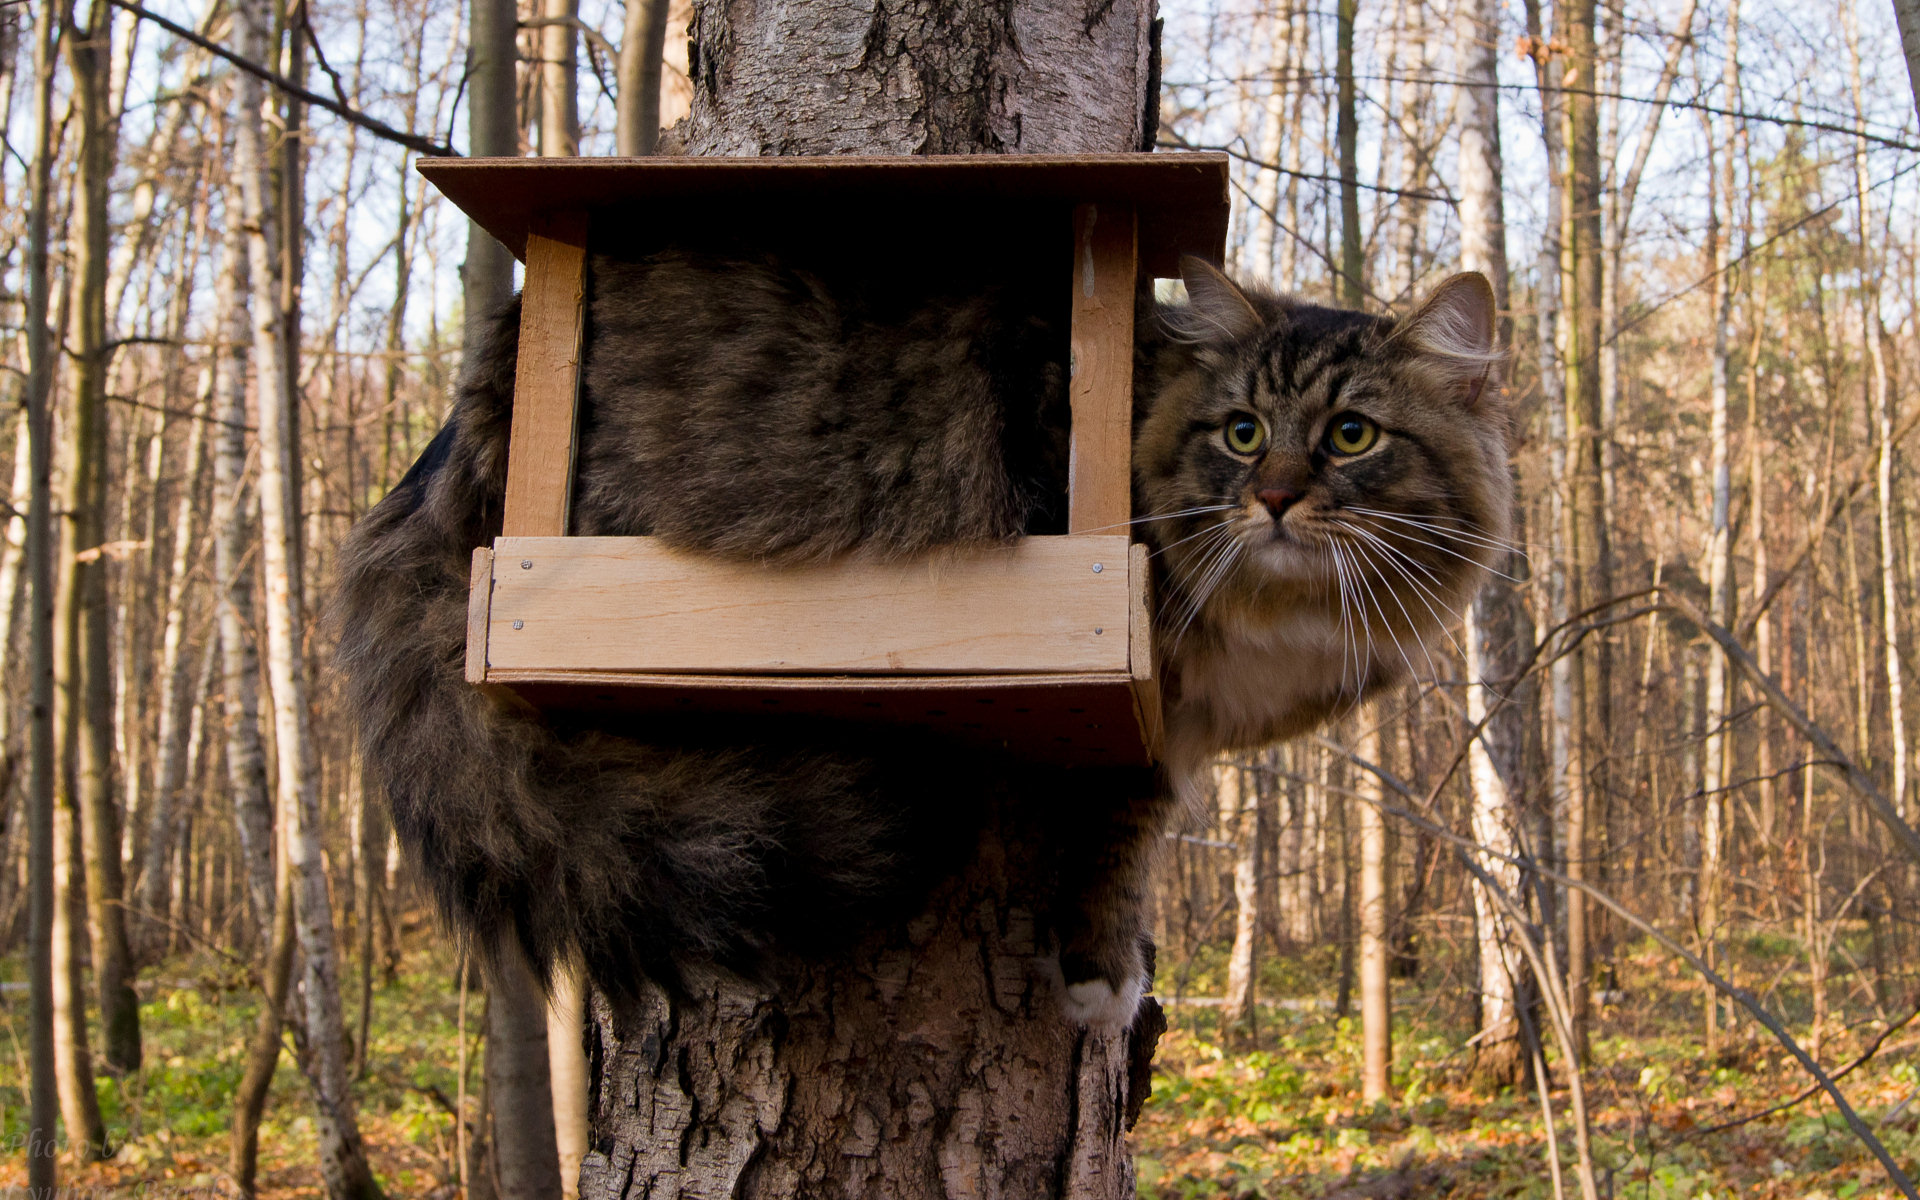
<point>1277,500</point>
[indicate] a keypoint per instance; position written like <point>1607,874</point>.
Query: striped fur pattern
<point>741,408</point>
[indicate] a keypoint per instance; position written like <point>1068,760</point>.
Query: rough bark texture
<point>909,77</point>
<point>933,1062</point>
<point>933,1059</point>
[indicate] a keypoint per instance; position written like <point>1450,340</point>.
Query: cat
<point>1317,486</point>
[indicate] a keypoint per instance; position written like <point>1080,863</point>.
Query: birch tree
<point>1498,1060</point>
<point>343,1162</point>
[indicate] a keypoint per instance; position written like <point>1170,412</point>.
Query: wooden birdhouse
<point>1044,646</point>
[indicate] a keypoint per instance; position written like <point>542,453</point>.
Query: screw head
<point>519,624</point>
<point>526,564</point>
<point>1098,629</point>
<point>1099,567</point>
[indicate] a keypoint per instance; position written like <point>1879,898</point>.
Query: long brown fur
<point>744,409</point>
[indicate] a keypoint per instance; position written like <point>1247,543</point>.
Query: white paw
<point>1095,1004</point>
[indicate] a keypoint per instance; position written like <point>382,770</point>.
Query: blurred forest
<point>1459,945</point>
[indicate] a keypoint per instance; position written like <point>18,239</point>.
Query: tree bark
<point>559,70</point>
<point>1907,13</point>
<point>1499,1059</point>
<point>492,129</point>
<point>1352,289</point>
<point>932,1059</point>
<point>44,1101</point>
<point>841,77</point>
<point>519,1087</point>
<point>343,1163</point>
<point>239,660</point>
<point>637,99</point>
<point>1376,995</point>
<point>1242,820</point>
<point>84,703</point>
<point>1581,250</point>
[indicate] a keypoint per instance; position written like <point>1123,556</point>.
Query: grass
<point>1280,1119</point>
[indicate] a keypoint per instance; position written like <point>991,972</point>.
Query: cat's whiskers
<point>1447,550</point>
<point>1225,523</point>
<point>1346,625</point>
<point>1219,560</point>
<point>1168,516</point>
<point>1426,594</point>
<point>1362,646</point>
<point>1362,559</point>
<point>1473,535</point>
<point>1214,537</point>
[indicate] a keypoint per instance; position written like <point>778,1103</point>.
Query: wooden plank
<point>479,600</point>
<point>546,385</point>
<point>1044,605</point>
<point>1181,197</point>
<point>1147,711</point>
<point>1099,463</point>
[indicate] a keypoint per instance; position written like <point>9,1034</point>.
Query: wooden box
<point>1044,646</point>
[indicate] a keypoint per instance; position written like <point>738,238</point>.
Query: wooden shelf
<point>1028,647</point>
<point>1043,647</point>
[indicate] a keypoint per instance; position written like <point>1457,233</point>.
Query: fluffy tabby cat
<point>1318,487</point>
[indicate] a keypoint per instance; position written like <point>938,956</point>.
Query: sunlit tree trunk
<point>559,69</point>
<point>1264,233</point>
<point>637,100</point>
<point>1499,1058</point>
<point>343,1162</point>
<point>1242,821</point>
<point>44,1107</point>
<point>175,702</point>
<point>83,707</point>
<point>1376,996</point>
<point>1352,286</point>
<point>1873,335</point>
<point>1588,540</point>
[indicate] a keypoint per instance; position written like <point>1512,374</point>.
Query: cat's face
<point>1300,458</point>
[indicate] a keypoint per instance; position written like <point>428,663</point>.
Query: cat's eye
<point>1245,433</point>
<point>1351,433</point>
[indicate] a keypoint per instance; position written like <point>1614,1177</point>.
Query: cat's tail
<point>635,858</point>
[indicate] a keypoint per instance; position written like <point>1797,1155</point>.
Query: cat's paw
<point>1097,1004</point>
<point>1102,997</point>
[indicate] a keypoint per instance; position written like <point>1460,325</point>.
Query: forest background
<point>1405,960</point>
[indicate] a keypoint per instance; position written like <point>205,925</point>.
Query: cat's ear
<point>1216,309</point>
<point>1451,337</point>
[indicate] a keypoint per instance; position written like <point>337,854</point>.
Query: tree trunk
<point>559,69</point>
<point>1499,1059</point>
<point>932,1059</point>
<point>847,78</point>
<point>343,1164</point>
<point>1376,996</point>
<point>567,1068</point>
<point>44,1102</point>
<point>1574,25</point>
<point>175,699</point>
<point>1352,288</point>
<point>263,1052</point>
<point>492,129</point>
<point>1907,13</point>
<point>1719,566</point>
<point>239,660</point>
<point>1241,814</point>
<point>637,97</point>
<point>519,1086</point>
<point>84,704</point>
